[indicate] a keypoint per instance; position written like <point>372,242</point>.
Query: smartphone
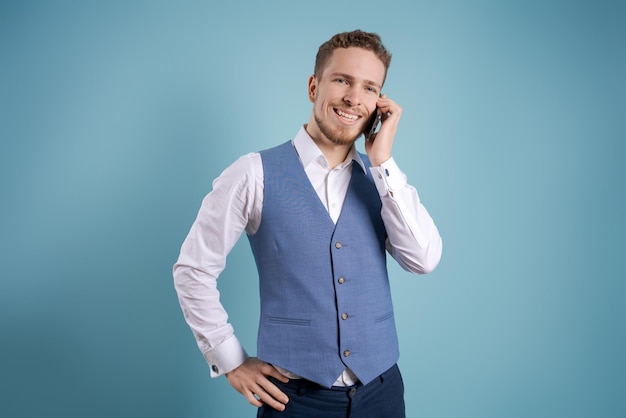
<point>372,125</point>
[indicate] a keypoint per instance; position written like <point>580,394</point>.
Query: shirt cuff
<point>388,177</point>
<point>225,357</point>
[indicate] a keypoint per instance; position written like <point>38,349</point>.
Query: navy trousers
<point>381,398</point>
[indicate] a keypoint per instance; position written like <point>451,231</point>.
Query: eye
<point>371,89</point>
<point>341,81</point>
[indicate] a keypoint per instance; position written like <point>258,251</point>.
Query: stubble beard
<point>338,136</point>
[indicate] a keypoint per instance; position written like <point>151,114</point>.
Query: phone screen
<point>372,125</point>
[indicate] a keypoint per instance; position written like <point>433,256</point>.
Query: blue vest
<point>325,296</point>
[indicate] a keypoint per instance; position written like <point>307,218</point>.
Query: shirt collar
<point>309,152</point>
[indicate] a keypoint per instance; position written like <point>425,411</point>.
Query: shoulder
<point>278,150</point>
<point>245,170</point>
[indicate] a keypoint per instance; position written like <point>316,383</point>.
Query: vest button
<point>346,353</point>
<point>341,280</point>
<point>337,245</point>
<point>344,316</point>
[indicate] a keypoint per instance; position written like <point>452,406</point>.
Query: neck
<point>335,153</point>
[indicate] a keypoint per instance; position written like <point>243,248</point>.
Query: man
<point>320,217</point>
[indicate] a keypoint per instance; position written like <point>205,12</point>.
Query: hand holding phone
<point>372,125</point>
<point>379,141</point>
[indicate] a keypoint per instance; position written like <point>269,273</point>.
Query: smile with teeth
<point>347,116</point>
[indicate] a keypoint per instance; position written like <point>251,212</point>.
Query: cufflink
<point>215,369</point>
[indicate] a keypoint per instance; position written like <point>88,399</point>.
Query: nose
<point>351,97</point>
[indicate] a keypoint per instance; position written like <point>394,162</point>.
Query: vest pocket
<point>288,321</point>
<point>384,317</point>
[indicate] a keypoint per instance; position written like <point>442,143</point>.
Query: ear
<point>312,88</point>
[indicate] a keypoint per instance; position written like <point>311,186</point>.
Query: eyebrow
<point>349,77</point>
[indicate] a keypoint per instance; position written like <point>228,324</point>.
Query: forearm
<point>199,301</point>
<point>222,218</point>
<point>413,238</point>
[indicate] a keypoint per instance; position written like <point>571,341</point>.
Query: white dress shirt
<point>235,205</point>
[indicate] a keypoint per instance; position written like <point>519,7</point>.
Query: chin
<point>338,136</point>
<point>343,141</point>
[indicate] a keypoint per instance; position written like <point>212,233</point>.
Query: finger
<point>254,399</point>
<point>273,398</point>
<point>275,392</point>
<point>271,371</point>
<point>391,111</point>
<point>388,111</point>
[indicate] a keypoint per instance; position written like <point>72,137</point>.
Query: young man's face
<point>345,95</point>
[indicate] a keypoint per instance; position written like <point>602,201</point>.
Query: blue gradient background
<point>116,116</point>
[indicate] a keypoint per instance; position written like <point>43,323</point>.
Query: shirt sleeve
<point>230,208</point>
<point>413,239</point>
